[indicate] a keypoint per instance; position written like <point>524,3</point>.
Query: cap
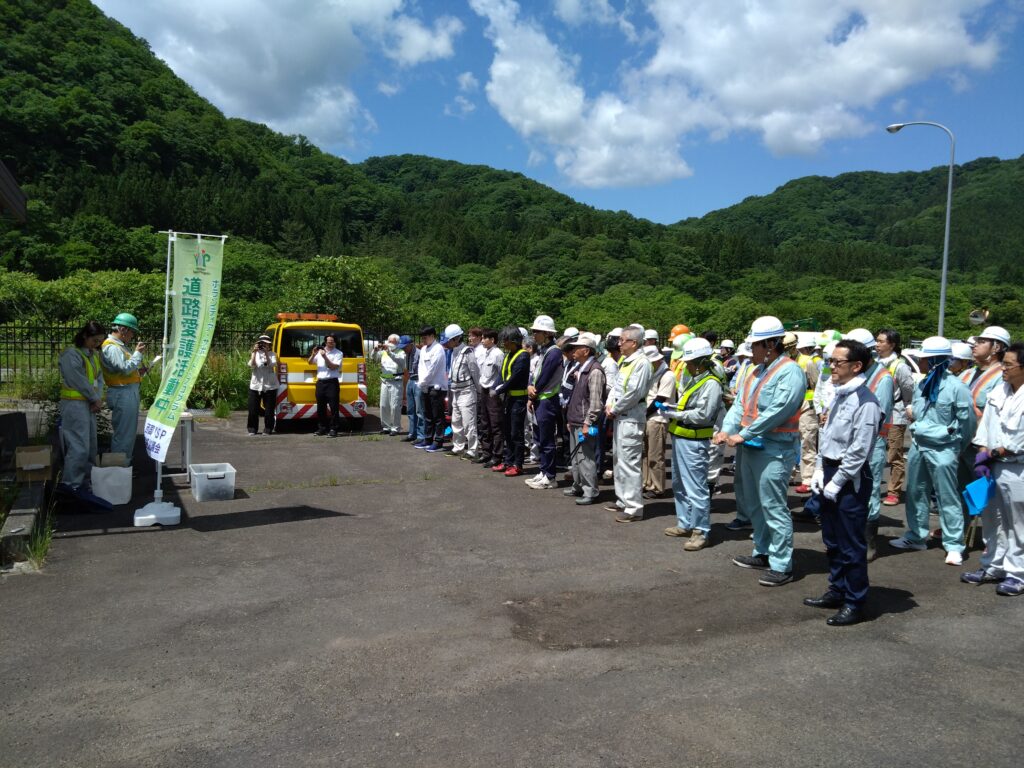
<point>264,338</point>
<point>588,340</point>
<point>404,341</point>
<point>653,353</point>
<point>428,330</point>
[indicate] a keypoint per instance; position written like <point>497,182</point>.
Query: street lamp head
<point>895,127</point>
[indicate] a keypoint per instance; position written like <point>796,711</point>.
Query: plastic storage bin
<point>212,482</point>
<point>113,484</point>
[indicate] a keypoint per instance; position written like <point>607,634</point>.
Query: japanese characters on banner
<point>195,285</point>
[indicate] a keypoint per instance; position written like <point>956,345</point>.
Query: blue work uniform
<point>776,392</point>
<point>883,387</point>
<point>546,406</point>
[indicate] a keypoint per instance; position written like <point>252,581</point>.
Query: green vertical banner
<point>195,289</point>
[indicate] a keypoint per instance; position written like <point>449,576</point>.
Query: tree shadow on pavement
<point>227,521</point>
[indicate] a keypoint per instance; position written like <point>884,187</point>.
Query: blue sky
<point>663,108</point>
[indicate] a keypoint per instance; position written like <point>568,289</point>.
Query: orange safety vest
<point>979,384</point>
<point>876,379</point>
<point>792,424</point>
<point>116,378</point>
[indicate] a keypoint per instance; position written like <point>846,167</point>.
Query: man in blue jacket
<point>543,394</point>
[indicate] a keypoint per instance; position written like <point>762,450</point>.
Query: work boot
<point>871,534</point>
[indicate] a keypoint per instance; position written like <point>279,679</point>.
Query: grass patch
<point>371,438</point>
<point>222,409</point>
<point>41,539</point>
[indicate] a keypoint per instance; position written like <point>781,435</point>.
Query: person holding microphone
<point>327,359</point>
<point>262,386</point>
<point>122,373</point>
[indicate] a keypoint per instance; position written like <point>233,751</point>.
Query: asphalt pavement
<point>362,603</point>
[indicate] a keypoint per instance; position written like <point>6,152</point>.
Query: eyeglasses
<point>837,361</point>
<point>1009,366</point>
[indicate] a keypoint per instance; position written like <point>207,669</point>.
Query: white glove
<point>817,481</point>
<point>832,490</point>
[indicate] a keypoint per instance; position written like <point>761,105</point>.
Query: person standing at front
<point>1001,440</point>
<point>263,385</point>
<point>413,396</point>
<point>488,358</point>
<point>81,398</point>
<point>515,378</point>
<point>122,374</point>
<point>627,407</point>
<point>463,381</point>
<point>888,346</point>
<point>942,426</point>
<point>327,359</point>
<point>763,425</point>
<point>583,414</point>
<point>433,383</point>
<point>543,394</point>
<point>842,477</point>
<point>692,426</point>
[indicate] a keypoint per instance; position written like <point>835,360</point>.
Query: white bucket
<point>113,484</point>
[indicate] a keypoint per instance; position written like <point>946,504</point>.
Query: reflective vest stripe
<point>803,361</point>
<point>980,383</point>
<point>92,370</point>
<point>701,433</point>
<point>506,371</point>
<point>876,379</point>
<point>550,393</point>
<point>792,424</point>
<point>116,378</point>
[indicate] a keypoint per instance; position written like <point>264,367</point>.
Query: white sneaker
<point>608,474</point>
<point>902,543</point>
<point>540,482</point>
<point>954,558</point>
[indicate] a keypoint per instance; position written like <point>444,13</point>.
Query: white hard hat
<point>728,344</point>
<point>571,332</point>
<point>829,349</point>
<point>863,335</point>
<point>936,346</point>
<point>453,330</point>
<point>650,334</point>
<point>696,348</point>
<point>524,333</point>
<point>804,339</point>
<point>744,350</point>
<point>766,327</point>
<point>543,323</point>
<point>962,351</point>
<point>997,333</point>
<point>616,332</point>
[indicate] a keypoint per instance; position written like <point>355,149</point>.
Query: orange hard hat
<point>676,330</point>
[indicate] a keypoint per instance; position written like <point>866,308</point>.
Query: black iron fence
<point>28,350</point>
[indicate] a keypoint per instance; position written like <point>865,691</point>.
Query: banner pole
<point>158,495</point>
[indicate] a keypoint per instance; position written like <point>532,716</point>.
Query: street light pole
<point>896,127</point>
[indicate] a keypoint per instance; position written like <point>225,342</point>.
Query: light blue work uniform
<point>122,375</point>
<point>82,385</point>
<point>939,432</point>
<point>883,386</point>
<point>762,474</point>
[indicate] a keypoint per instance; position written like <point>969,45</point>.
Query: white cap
<point>728,344</point>
<point>744,350</point>
<point>680,341</point>
<point>996,333</point>
<point>653,353</point>
<point>962,351</point>
<point>863,335</point>
<point>767,327</point>
<point>451,331</point>
<point>650,334</point>
<point>805,339</point>
<point>936,346</point>
<point>585,340</point>
<point>827,337</point>
<point>696,348</point>
<point>543,323</point>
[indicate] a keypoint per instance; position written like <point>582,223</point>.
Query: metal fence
<point>29,349</point>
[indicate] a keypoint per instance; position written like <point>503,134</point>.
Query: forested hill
<point>111,146</point>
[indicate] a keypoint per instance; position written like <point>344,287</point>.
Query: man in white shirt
<point>327,359</point>
<point>433,383</point>
<point>627,405</point>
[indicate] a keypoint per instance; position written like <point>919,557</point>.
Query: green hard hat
<point>127,320</point>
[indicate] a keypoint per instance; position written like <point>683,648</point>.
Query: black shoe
<point>585,501</point>
<point>332,433</point>
<point>828,600</point>
<point>572,492</point>
<point>847,615</point>
<point>489,463</point>
<point>739,525</point>
<point>320,433</point>
<point>772,578</point>
<point>409,439</point>
<point>757,562</point>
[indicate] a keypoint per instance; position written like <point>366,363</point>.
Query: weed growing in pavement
<point>371,438</point>
<point>42,537</point>
<point>222,409</point>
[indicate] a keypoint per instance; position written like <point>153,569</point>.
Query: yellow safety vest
<point>689,433</point>
<point>506,371</point>
<point>116,378</point>
<point>92,370</point>
<point>551,393</point>
<point>803,361</point>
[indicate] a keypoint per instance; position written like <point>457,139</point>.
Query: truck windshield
<point>299,342</point>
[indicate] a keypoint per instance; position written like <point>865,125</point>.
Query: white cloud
<point>411,42</point>
<point>468,82</point>
<point>388,89</point>
<point>797,72</point>
<point>460,107</point>
<point>287,63</point>
<point>578,12</point>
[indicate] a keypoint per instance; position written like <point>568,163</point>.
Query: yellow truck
<point>294,336</point>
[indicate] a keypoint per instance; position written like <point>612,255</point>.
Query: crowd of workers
<point>831,408</point>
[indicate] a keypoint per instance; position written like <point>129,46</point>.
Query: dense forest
<point>111,147</point>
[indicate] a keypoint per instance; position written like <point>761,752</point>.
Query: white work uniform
<point>1002,521</point>
<point>628,405</point>
<point>392,366</point>
<point>464,381</point>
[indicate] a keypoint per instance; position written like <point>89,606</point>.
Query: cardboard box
<point>33,463</point>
